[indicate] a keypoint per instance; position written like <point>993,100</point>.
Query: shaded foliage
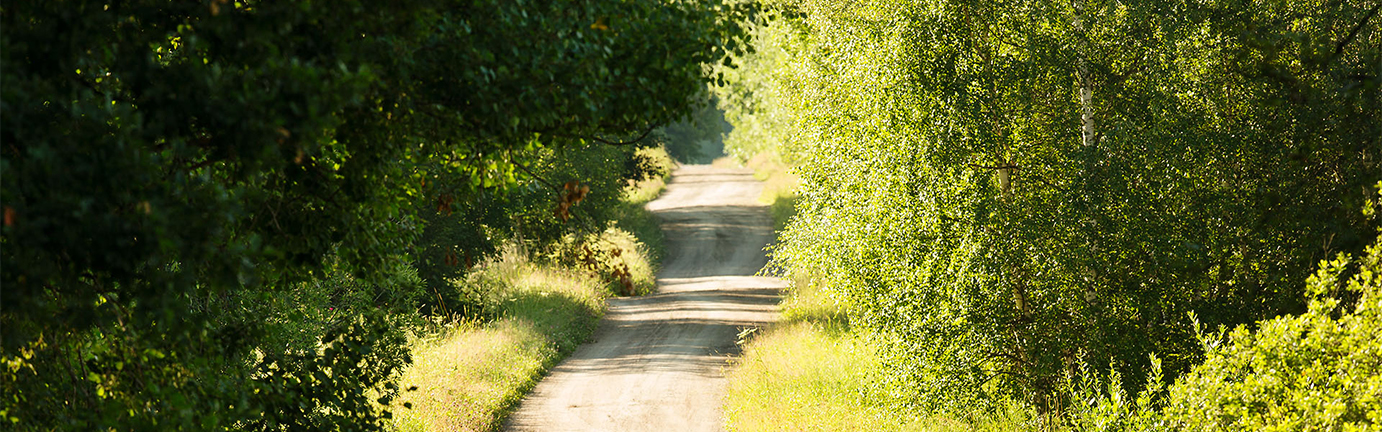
<point>1320,370</point>
<point>173,169</point>
<point>697,138</point>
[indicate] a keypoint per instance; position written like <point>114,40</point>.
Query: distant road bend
<point>657,362</point>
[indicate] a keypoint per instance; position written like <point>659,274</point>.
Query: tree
<point>166,166</point>
<point>1003,191</point>
<point>698,138</point>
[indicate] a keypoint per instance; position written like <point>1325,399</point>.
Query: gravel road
<point>657,362</point>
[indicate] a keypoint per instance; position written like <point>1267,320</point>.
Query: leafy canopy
<point>1004,191</point>
<point>168,168</point>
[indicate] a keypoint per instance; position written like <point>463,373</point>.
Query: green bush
<point>1318,371</point>
<point>1002,191</point>
<point>463,230</point>
<point>617,257</point>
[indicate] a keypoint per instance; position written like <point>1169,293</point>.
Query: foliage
<point>1003,192</point>
<point>644,191</point>
<point>168,168</point>
<point>468,374</point>
<point>779,186</point>
<point>698,138</point>
<point>463,231</point>
<point>615,256</point>
<point>1320,370</point>
<point>810,372</point>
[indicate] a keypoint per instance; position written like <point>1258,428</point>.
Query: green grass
<point>809,373</point>
<point>812,373</point>
<point>469,375</point>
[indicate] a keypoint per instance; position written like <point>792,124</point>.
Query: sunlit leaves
<point>950,197</point>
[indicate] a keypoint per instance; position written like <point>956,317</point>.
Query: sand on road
<point>658,362</point>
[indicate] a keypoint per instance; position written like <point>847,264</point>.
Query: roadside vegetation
<point>1075,216</point>
<point>469,373</point>
<point>244,215</point>
<point>810,372</point>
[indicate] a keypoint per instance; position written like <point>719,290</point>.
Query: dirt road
<point>657,362</point>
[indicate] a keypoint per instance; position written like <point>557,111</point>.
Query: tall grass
<point>809,374</point>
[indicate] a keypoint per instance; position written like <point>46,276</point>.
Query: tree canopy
<point>1003,192</point>
<point>168,166</point>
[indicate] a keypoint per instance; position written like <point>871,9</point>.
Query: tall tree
<point>1004,191</point>
<point>169,165</point>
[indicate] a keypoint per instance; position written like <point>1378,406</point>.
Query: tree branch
<point>530,172</point>
<point>1339,49</point>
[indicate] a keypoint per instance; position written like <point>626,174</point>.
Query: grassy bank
<point>811,373</point>
<point>807,373</point>
<point>469,375</point>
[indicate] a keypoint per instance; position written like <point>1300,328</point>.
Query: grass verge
<point>808,373</point>
<point>469,375</point>
<point>812,373</point>
<point>779,184</point>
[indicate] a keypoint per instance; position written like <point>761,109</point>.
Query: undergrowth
<point>812,373</point>
<point>468,375</point>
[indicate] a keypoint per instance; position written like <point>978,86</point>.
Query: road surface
<point>657,362</point>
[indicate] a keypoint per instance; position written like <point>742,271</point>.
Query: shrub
<point>1320,370</point>
<point>615,256</point>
